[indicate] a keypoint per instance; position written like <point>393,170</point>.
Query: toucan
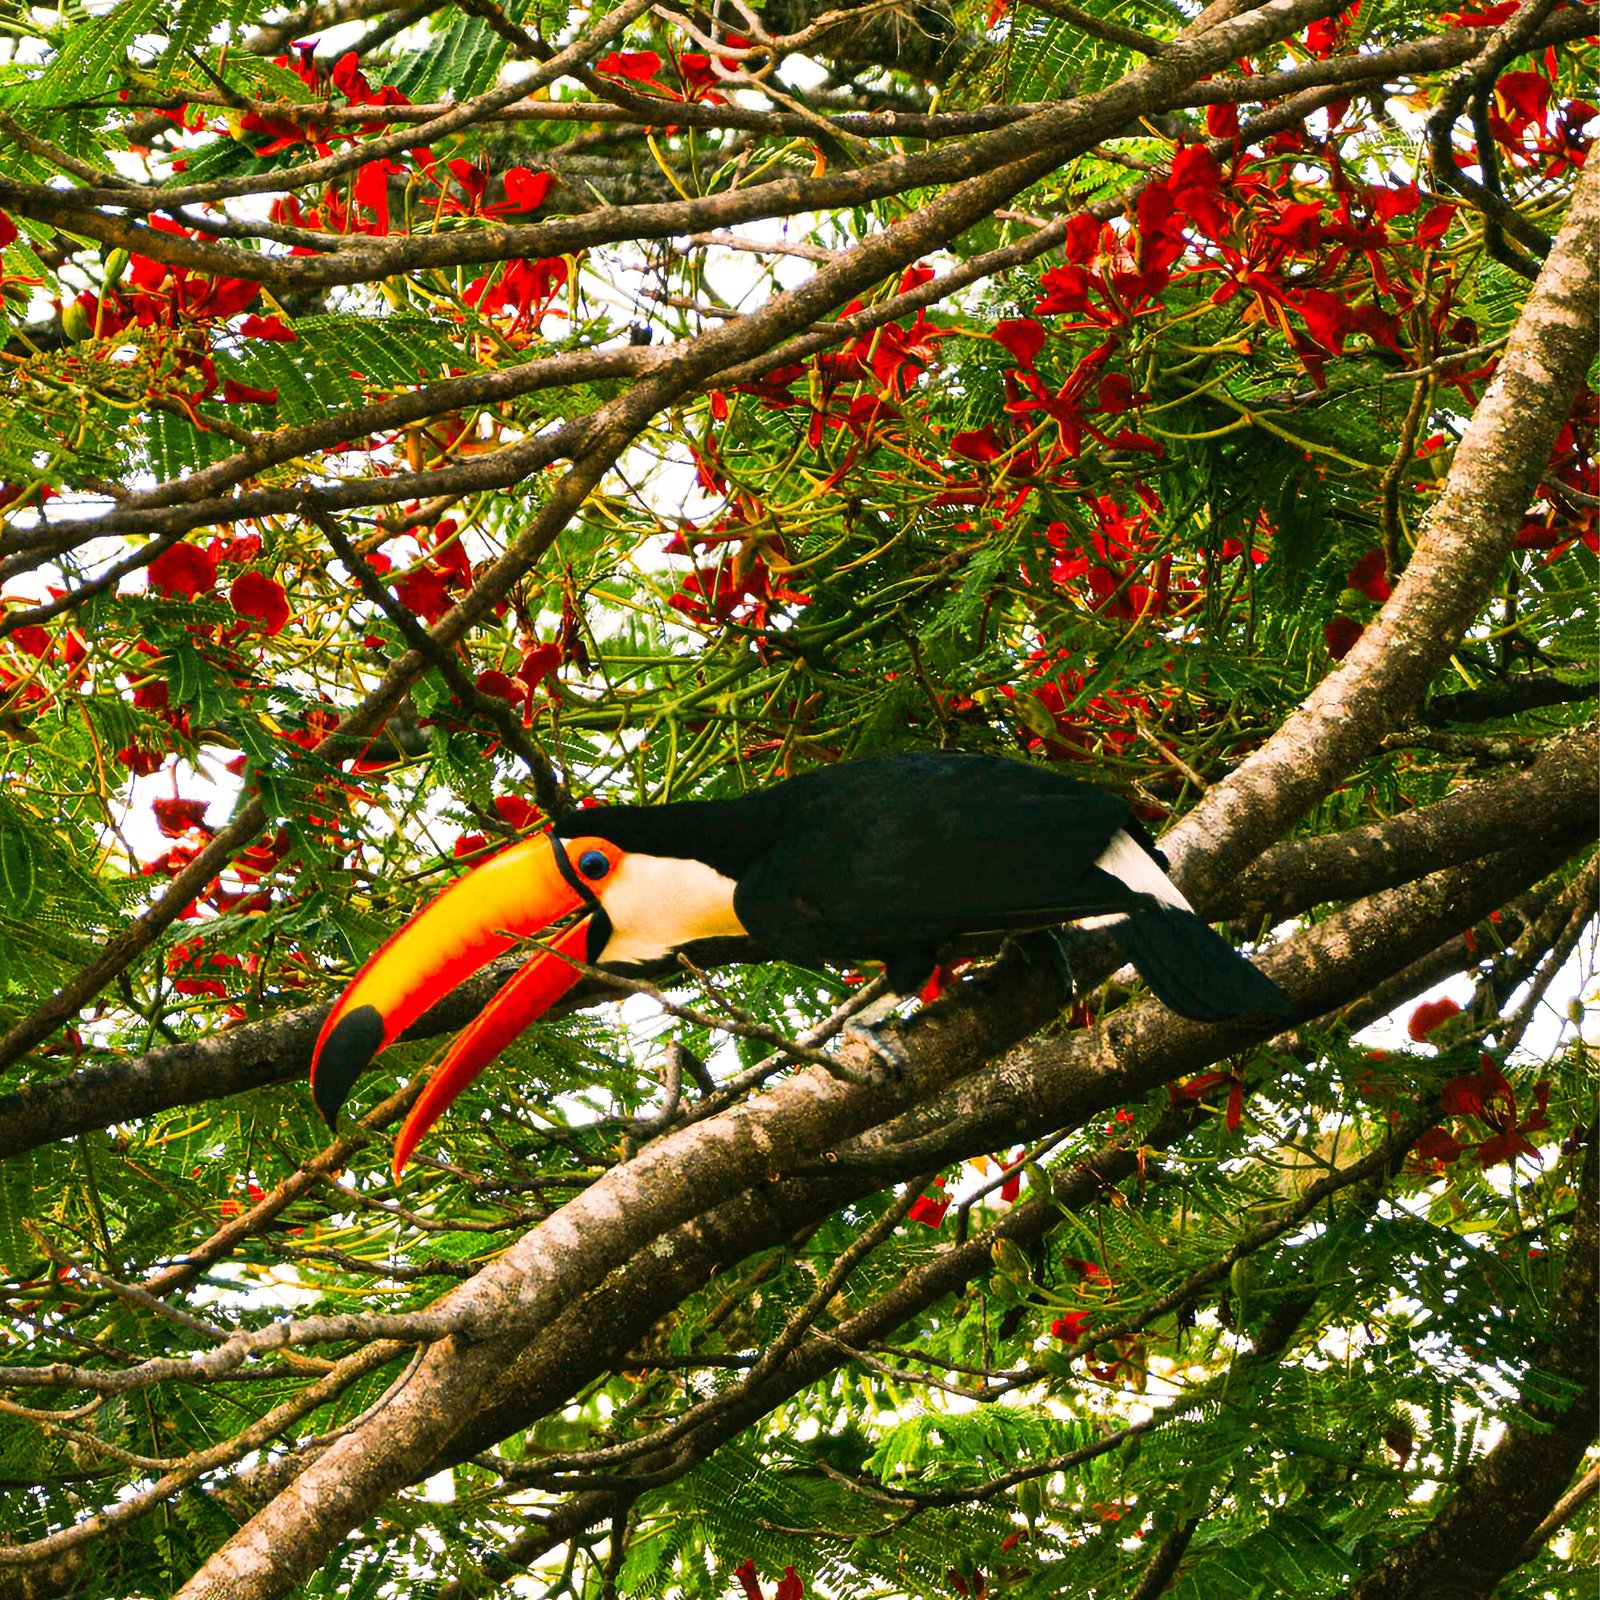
<point>887,859</point>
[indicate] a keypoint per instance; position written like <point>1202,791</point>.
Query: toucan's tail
<point>1195,971</point>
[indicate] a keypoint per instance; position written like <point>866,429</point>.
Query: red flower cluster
<point>1060,722</point>
<point>1537,131</point>
<point>166,296</point>
<point>529,286</point>
<point>1069,1329</point>
<point>746,585</point>
<point>1487,1098</point>
<point>186,962</point>
<point>697,74</point>
<point>430,588</point>
<point>1571,517</point>
<point>1247,226</point>
<point>859,384</point>
<point>346,78</point>
<point>789,1586</point>
<point>512,810</point>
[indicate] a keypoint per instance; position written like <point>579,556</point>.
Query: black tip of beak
<point>345,1053</point>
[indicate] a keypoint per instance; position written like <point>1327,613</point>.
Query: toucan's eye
<point>593,864</point>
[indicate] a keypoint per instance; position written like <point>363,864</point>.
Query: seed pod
<point>1242,1281</point>
<point>1009,1261</point>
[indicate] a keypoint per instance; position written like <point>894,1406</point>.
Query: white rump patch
<point>658,904</point>
<point>1129,862</point>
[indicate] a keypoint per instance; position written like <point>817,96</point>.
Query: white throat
<point>658,904</point>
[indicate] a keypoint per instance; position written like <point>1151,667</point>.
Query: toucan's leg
<point>1056,944</point>
<point>1057,949</point>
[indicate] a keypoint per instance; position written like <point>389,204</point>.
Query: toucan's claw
<point>354,1040</point>
<point>890,1055</point>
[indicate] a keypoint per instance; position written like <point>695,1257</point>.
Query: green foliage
<point>1128,554</point>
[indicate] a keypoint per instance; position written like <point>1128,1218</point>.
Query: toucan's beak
<point>521,891</point>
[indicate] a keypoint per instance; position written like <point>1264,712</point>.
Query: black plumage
<point>893,858</point>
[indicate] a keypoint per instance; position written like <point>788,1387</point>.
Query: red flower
<point>1066,288</point>
<point>1327,317</point>
<point>424,592</point>
<point>1116,394</point>
<point>1436,223</point>
<point>1490,1099</point>
<point>1341,635</point>
<point>1475,1094</point>
<point>32,640</point>
<point>929,1209</point>
<point>273,328</point>
<point>176,817</point>
<point>184,571</point>
<point>1370,576</point>
<point>642,66</point>
<point>540,664</point>
<point>1222,120</point>
<point>1069,1329</point>
<point>1389,203</point>
<point>1435,1149</point>
<point>978,444</point>
<point>1196,187</point>
<point>1430,1015</point>
<point>500,685</point>
<point>235,393</point>
<point>262,599</point>
<point>1196,1089</point>
<point>1524,97</point>
<point>1012,1187</point>
<point>526,190</point>
<point>515,812</point>
<point>246,548</point>
<point>1022,336</point>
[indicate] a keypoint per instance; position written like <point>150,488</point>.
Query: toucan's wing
<point>935,850</point>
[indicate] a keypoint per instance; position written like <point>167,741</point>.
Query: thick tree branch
<point>1554,795</point>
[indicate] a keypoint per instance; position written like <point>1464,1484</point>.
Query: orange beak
<point>521,891</point>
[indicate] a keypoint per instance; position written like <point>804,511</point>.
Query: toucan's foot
<point>889,1056</point>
